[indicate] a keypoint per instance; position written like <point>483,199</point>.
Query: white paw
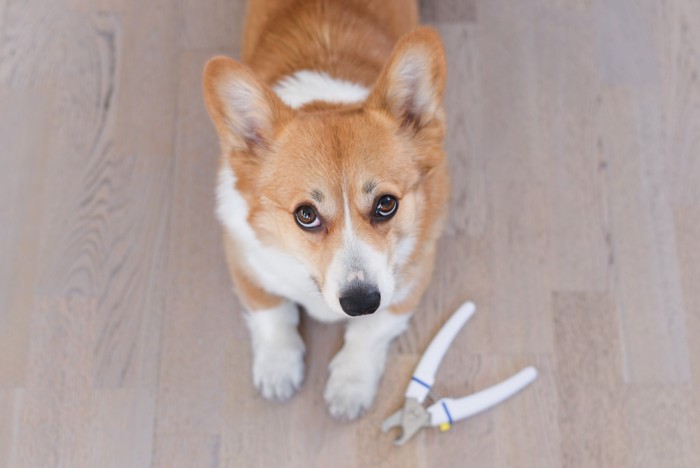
<point>352,384</point>
<point>278,369</point>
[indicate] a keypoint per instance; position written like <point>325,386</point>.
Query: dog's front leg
<point>357,368</point>
<point>278,350</point>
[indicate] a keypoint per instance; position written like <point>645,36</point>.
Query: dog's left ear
<point>412,84</point>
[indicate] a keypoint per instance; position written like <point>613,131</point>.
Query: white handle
<point>448,410</point>
<point>424,375</point>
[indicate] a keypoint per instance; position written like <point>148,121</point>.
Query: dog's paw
<point>278,369</point>
<point>352,385</point>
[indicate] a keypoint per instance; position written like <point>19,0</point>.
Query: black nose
<point>361,299</point>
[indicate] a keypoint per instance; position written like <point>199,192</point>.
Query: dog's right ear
<point>245,110</point>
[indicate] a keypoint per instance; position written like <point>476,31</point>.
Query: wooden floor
<point>575,226</point>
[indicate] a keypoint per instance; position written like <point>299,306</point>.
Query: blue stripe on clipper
<point>417,380</point>
<point>447,412</point>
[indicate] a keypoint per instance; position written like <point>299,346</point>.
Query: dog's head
<point>349,190</point>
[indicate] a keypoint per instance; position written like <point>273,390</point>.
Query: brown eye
<point>307,218</point>
<point>386,208</point>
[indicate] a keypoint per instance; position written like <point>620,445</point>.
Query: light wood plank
<point>175,451</point>
<point>677,52</point>
<point>218,25</point>
<point>463,143</point>
<point>107,192</point>
<point>148,80</point>
<point>20,238</point>
<point>580,232</point>
<point>655,416</point>
<point>467,279</point>
<point>56,406</point>
<point>3,5</point>
<point>122,428</point>
<point>625,43</point>
<point>451,11</point>
<point>200,320</point>
<point>130,189</point>
<point>517,174</point>
<point>688,241</point>
<point>8,425</point>
<point>645,268</point>
<point>527,431</point>
<point>592,423</point>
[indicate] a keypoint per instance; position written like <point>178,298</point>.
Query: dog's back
<point>348,39</point>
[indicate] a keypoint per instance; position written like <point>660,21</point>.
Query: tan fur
<point>281,155</point>
<point>349,39</point>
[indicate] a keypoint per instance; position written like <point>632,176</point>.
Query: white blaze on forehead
<point>348,233</point>
<point>353,263</point>
<point>306,86</point>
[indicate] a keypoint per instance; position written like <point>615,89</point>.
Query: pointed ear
<point>412,84</point>
<point>245,110</point>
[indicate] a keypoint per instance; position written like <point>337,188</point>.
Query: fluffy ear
<point>412,84</point>
<point>245,111</point>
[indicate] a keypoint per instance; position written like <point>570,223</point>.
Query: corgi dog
<point>333,183</point>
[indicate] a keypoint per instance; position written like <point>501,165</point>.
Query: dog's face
<point>343,199</point>
<point>339,187</point>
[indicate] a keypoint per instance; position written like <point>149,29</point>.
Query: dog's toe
<point>347,398</point>
<point>351,387</point>
<point>278,372</point>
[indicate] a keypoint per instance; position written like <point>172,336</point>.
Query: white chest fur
<point>277,272</point>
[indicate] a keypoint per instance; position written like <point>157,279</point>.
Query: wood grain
<point>3,4</point>
<point>8,421</point>
<point>518,182</point>
<point>687,219</point>
<point>579,223</point>
<point>529,430</point>
<point>56,404</point>
<point>187,451</point>
<point>468,215</point>
<point>575,226</point>
<point>651,411</point>
<point>219,25</point>
<point>19,258</point>
<point>592,423</point>
<point>451,11</point>
<point>122,427</point>
<point>688,241</point>
<point>199,315</point>
<point>679,57</point>
<point>645,269</point>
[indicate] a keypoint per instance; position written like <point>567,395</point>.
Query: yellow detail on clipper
<point>445,427</point>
